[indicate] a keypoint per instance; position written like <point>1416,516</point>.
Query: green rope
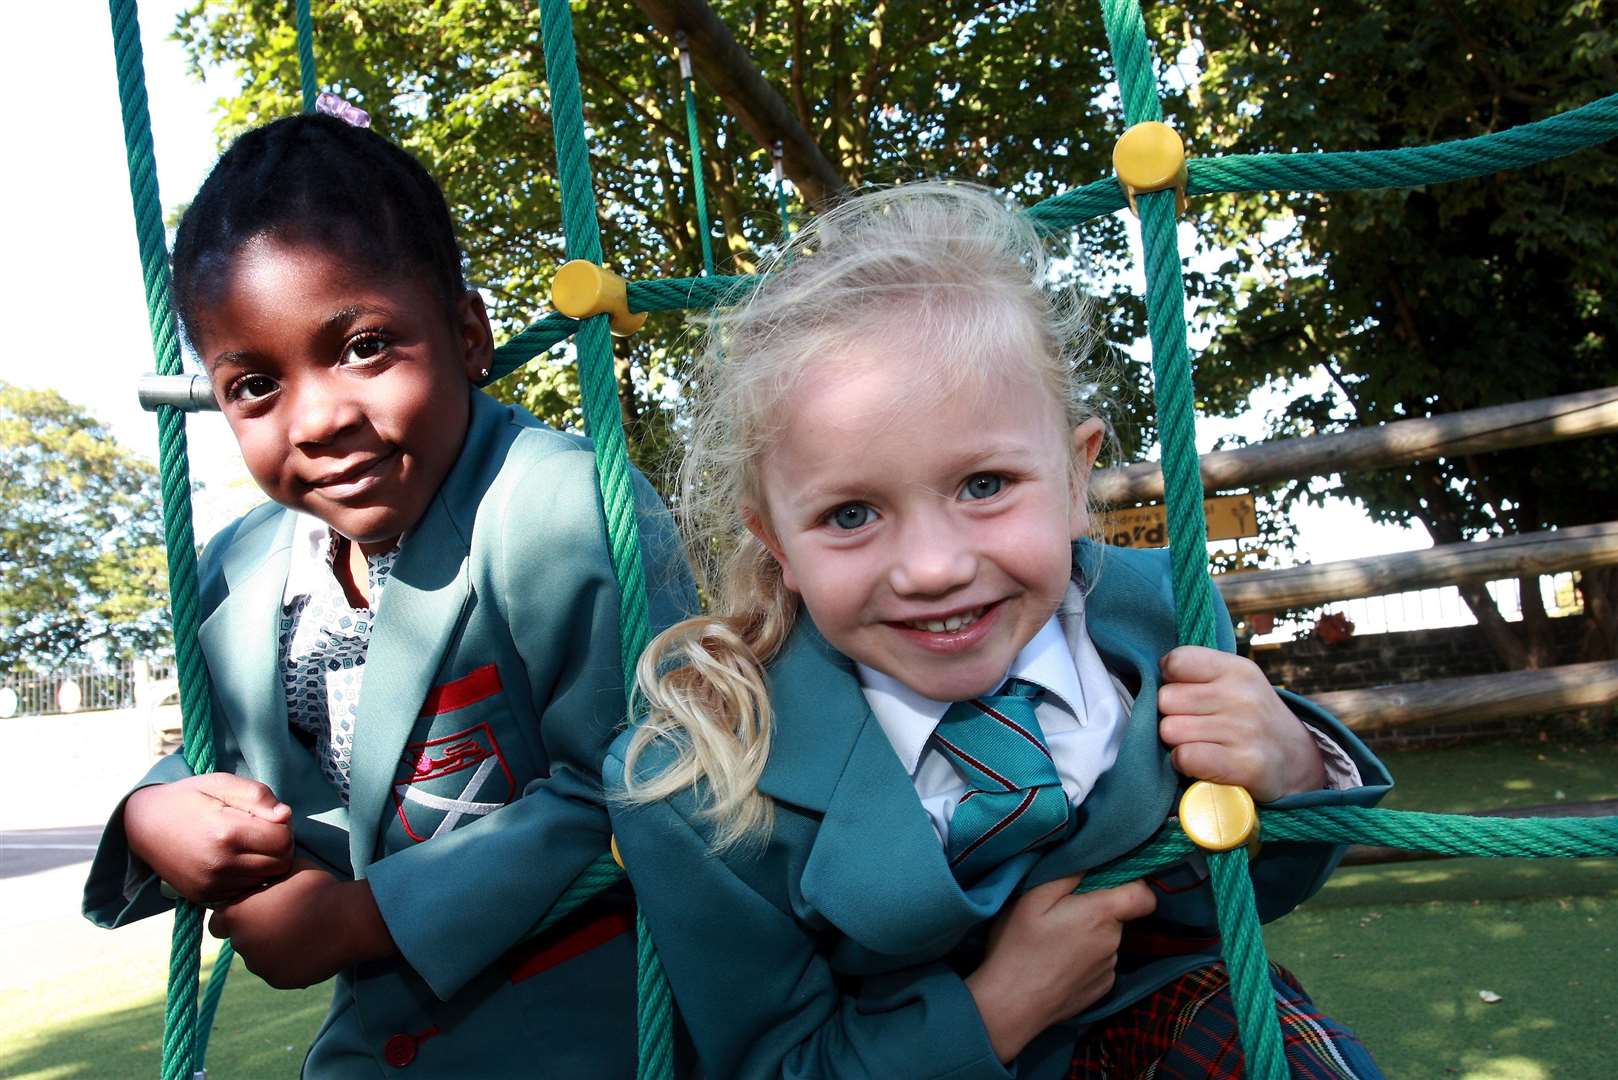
<point>306,56</point>
<point>210,1002</point>
<point>662,294</point>
<point>1242,942</point>
<point>1412,166</point>
<point>180,1011</point>
<point>1446,834</point>
<point>778,158</point>
<point>704,230</point>
<point>598,383</point>
<point>654,1006</point>
<point>594,879</point>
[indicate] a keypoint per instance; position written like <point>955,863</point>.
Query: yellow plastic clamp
<point>1150,157</point>
<point>612,845</point>
<point>582,289</point>
<point>1219,817</point>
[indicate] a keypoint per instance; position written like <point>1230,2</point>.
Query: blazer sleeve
<point>558,595</point>
<point>121,889</point>
<point>754,985</point>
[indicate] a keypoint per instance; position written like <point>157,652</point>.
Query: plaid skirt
<point>1186,1030</point>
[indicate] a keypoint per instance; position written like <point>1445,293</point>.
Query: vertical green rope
<point>210,1002</point>
<point>1243,946</point>
<point>704,229</point>
<point>777,156</point>
<point>306,56</point>
<point>180,1013</point>
<point>604,420</point>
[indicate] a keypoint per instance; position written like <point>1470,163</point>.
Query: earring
<point>484,374</point>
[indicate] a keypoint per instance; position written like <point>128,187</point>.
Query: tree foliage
<point>1004,94</point>
<point>1420,301</point>
<point>1411,302</point>
<point>81,537</point>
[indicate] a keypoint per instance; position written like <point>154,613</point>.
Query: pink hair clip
<point>347,112</point>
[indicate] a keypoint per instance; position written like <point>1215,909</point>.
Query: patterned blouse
<point>323,641</point>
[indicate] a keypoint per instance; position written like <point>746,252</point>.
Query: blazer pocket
<point>459,772</point>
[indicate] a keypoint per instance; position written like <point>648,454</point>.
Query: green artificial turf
<point>1404,953</point>
<point>1401,953</point>
<point>111,1025</point>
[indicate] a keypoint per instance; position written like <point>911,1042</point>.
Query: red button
<point>399,1051</point>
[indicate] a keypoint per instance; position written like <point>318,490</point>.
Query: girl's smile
<point>928,533</point>
<point>347,389</point>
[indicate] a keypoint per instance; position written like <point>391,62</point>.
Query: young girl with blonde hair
<point>867,784</point>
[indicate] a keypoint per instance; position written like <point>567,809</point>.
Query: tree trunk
<point>1600,589</point>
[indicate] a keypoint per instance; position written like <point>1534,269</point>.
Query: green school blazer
<point>492,689</point>
<point>837,947</point>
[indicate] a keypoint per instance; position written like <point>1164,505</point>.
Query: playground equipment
<point>1153,178</point>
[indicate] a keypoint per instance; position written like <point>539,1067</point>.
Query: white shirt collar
<point>908,718</point>
<point>311,557</point>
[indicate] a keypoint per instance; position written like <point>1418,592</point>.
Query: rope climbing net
<point>1153,181</point>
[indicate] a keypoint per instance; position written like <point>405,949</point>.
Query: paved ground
<point>51,812</point>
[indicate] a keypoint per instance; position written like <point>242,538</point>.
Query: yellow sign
<point>1229,517</point>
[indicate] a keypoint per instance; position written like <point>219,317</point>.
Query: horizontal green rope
<point>1413,830</point>
<point>1528,144</point>
<point>1446,834</point>
<point>1412,166</point>
<point>659,294</point>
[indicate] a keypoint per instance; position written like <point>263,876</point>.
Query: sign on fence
<point>1229,517</point>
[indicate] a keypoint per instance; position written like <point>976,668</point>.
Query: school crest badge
<point>443,782</point>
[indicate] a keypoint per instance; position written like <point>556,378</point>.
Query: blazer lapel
<point>240,639</point>
<point>1134,796</point>
<point>876,869</point>
<point>421,605</point>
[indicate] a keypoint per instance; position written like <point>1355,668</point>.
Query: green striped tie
<point>1014,799</point>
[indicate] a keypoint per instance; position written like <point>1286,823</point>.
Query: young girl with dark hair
<point>925,704</point>
<point>413,648</point>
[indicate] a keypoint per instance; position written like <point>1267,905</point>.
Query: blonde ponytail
<point>702,687</point>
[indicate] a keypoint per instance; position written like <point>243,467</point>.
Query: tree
<point>1426,300</point>
<point>81,537</point>
<point>1387,292</point>
<point>1005,94</point>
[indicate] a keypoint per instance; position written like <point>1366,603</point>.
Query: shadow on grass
<point>259,1032</point>
<point>1411,979</point>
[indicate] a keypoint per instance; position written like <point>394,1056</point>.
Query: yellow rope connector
<point>612,845</point>
<point>1219,817</point>
<point>1150,157</point>
<point>582,289</point>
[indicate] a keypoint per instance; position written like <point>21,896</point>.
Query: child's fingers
<point>1125,902</point>
<point>1194,663</point>
<point>246,795</point>
<point>1218,763</point>
<point>250,835</point>
<point>219,923</point>
<point>1046,896</point>
<point>1177,729</point>
<point>1190,698</point>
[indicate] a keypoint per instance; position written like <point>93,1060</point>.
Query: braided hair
<point>315,179</point>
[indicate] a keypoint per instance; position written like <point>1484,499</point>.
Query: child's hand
<point>304,929</point>
<point>1224,722</point>
<point>1051,954</point>
<point>211,837</point>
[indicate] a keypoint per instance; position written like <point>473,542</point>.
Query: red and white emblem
<point>443,781</point>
